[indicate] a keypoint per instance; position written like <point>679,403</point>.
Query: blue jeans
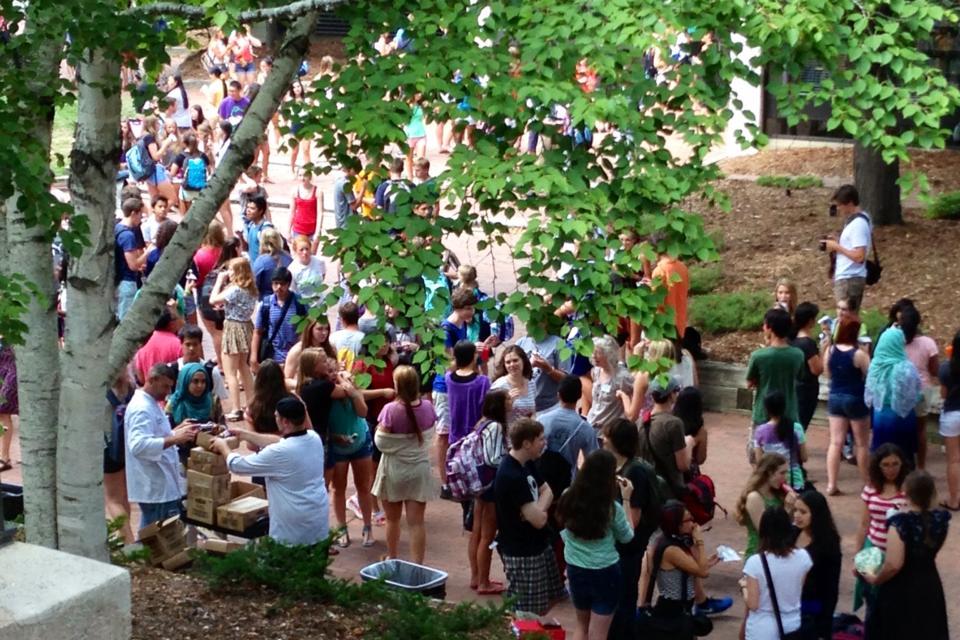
<point>126,292</point>
<point>153,511</point>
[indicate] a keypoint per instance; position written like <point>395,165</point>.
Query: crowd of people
<point>585,478</point>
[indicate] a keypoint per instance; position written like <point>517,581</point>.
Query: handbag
<point>874,268</point>
<point>266,351</point>
<point>793,635</point>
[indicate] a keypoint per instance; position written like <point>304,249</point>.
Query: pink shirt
<point>919,352</point>
<point>162,346</point>
<point>206,259</point>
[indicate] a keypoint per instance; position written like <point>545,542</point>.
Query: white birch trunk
<point>84,410</point>
<point>38,366</point>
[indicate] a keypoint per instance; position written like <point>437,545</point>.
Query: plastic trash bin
<point>408,576</point>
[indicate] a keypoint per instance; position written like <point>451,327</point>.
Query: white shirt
<point>153,473</point>
<point>351,339</point>
<point>293,468</point>
<point>788,575</point>
<point>856,234</point>
<point>149,229</point>
<point>308,278</point>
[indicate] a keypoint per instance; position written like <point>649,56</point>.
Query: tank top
<point>670,584</point>
<point>305,213</point>
<point>845,377</point>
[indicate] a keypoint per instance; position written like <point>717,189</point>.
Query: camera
<point>823,244</point>
<point>833,211</point>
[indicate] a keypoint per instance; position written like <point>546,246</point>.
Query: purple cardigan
<point>465,400</point>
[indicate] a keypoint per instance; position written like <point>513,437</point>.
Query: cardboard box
<point>239,514</point>
<point>217,546</point>
<point>177,561</point>
<point>213,487</point>
<point>207,462</point>
<point>164,539</point>
<point>204,439</point>
<point>202,509</point>
<point>241,489</point>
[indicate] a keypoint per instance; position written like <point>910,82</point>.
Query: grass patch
<point>705,278</point>
<point>945,207</point>
<point>64,129</point>
<point>724,312</point>
<point>790,182</point>
<point>301,573</point>
<point>875,319</point>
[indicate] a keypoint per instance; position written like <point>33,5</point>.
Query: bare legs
<point>591,626</point>
<point>6,423</point>
<point>115,492</point>
<point>237,371</point>
<point>478,549</point>
<point>362,479</point>
<point>443,443</point>
<point>838,431</point>
<point>953,470</point>
<point>418,533</point>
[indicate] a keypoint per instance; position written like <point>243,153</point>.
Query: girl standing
<point>516,376</point>
<point>818,535</point>
<point>893,391</point>
<point>236,290</point>
<point>767,487</point>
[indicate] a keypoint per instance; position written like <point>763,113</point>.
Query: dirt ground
<point>768,235</point>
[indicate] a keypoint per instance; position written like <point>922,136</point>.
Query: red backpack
<point>699,498</point>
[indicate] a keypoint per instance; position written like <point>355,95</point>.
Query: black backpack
<point>203,298</point>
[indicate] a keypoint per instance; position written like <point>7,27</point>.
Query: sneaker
<point>713,606</point>
<point>354,505</point>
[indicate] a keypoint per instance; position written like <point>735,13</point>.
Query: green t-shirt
<point>775,369</point>
<point>602,552</point>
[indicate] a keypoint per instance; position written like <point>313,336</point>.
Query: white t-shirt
<point>855,234</point>
<point>308,279</point>
<point>350,339</point>
<point>293,469</point>
<point>788,575</point>
<point>181,115</point>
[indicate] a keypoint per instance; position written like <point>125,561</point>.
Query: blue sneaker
<point>713,606</point>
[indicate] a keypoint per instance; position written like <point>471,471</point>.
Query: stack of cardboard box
<point>167,543</point>
<point>208,485</point>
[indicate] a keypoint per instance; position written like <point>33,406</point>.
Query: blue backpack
<point>195,173</point>
<point>140,163</point>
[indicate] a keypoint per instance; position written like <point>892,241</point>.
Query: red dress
<point>305,214</point>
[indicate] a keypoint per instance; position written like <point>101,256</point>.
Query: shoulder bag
<point>793,635</point>
<point>874,268</point>
<point>266,350</point>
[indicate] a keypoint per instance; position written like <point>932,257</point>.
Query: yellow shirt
<point>365,193</point>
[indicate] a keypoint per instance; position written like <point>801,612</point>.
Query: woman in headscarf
<point>192,398</point>
<point>893,391</point>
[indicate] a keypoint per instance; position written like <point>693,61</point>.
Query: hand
<point>623,395</point>
<point>185,432</point>
<point>869,578</point>
<point>831,245</point>
<point>389,394</point>
<point>514,393</point>
<point>713,560</point>
<point>254,365</point>
<point>539,362</point>
<point>697,534</point>
<point>219,445</point>
<point>626,488</point>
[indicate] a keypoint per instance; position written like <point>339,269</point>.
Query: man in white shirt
<point>292,464</point>
<point>850,272</point>
<point>152,463</point>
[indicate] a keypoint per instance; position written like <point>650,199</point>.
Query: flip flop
<point>949,508</point>
<point>495,589</point>
<point>5,465</point>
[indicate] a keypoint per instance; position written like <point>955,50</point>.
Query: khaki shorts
<point>929,397</point>
<point>851,290</point>
<point>442,407</point>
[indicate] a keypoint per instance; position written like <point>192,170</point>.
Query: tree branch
<point>254,15</point>
<point>139,321</point>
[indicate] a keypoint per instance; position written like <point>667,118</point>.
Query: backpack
<point>195,173</point>
<point>467,474</point>
<point>140,163</point>
<point>203,299</point>
<point>556,470</point>
<point>391,191</point>
<point>114,443</point>
<point>650,515</point>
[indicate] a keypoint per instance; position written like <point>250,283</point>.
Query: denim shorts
<point>365,451</point>
<point>847,405</point>
<point>950,424</point>
<point>596,590</point>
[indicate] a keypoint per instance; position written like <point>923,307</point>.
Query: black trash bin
<point>12,496</point>
<point>408,576</point>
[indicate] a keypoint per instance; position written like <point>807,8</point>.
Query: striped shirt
<point>286,334</point>
<point>879,509</point>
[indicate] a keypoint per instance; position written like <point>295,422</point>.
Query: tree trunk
<point>877,183</point>
<point>139,321</point>
<point>38,368</point>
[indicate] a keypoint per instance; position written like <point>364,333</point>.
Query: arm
<point>374,394</point>
<point>633,403</point>
<point>150,447</point>
<point>359,405</point>
<point>825,357</point>
<point>697,565</point>
<point>259,440</point>
<point>700,448</point>
<point>218,295</point>
<point>755,507</point>
<point>751,593</point>
<point>815,365</point>
<point>933,366</point>
<point>864,526</point>
<point>645,576</point>
<point>682,455</point>
<point>862,361</point>
<point>892,560</point>
<point>136,260</point>
<point>536,512</point>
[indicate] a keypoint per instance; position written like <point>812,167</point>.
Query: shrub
<point>945,207</point>
<point>790,182</point>
<point>875,319</point>
<point>722,312</point>
<point>705,278</point>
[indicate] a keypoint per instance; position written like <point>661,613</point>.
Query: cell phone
<point>207,426</point>
<point>823,244</point>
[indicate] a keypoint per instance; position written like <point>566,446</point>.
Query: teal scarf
<point>183,404</point>
<point>892,380</point>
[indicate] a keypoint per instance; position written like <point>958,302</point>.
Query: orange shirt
<point>676,298</point>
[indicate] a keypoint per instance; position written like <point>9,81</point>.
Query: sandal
<point>5,465</point>
<point>495,589</point>
<point>946,506</point>
<point>833,491</point>
<point>344,540</point>
<point>368,540</point>
<point>234,416</point>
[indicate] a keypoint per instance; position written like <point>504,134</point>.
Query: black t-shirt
<point>515,486</point>
<point>810,348</point>
<point>316,394</point>
<point>640,499</point>
<point>952,401</point>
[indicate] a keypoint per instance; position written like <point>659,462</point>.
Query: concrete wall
<point>51,595</point>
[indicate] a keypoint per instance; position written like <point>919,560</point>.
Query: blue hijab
<point>892,380</point>
<point>183,404</point>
